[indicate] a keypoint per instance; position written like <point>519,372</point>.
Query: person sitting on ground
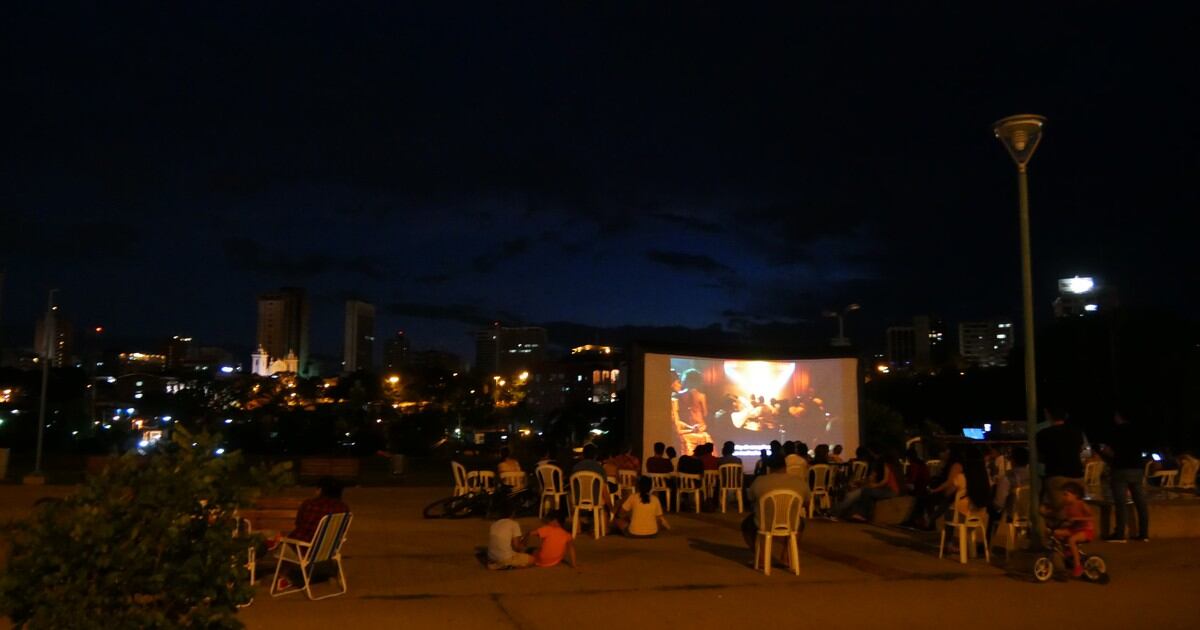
<point>1076,525</point>
<point>821,454</point>
<point>691,464</point>
<point>308,517</point>
<point>554,541</point>
<point>836,456</point>
<point>506,547</point>
<point>775,479</point>
<point>708,459</point>
<point>727,454</point>
<point>508,463</point>
<point>658,463</point>
<point>641,513</point>
<point>859,505</point>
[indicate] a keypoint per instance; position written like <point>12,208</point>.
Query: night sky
<point>645,163</point>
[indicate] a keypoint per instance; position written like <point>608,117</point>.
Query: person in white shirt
<point>641,514</point>
<point>506,549</point>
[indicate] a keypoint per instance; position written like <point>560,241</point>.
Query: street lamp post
<point>840,341</point>
<point>49,339</point>
<point>1020,135</point>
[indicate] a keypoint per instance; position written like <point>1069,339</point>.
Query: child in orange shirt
<point>556,542</point>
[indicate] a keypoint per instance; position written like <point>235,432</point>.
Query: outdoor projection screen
<point>690,400</point>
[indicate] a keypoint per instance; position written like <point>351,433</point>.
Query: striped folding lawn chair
<point>326,546</point>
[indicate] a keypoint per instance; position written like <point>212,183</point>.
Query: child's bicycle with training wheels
<point>1094,567</point>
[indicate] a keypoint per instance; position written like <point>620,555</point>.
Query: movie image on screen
<point>690,401</point>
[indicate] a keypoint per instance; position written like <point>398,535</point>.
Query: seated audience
<point>835,457</point>
<point>658,463</point>
<point>508,463</point>
<point>641,513</point>
<point>506,548</point>
<point>775,479</point>
<point>691,464</point>
<point>859,504</point>
<point>727,454</point>
<point>708,459</point>
<point>554,542</point>
<point>821,454</point>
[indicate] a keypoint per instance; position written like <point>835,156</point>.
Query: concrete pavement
<point>404,571</point>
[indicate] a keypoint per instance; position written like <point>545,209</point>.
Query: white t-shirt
<point>797,465</point>
<point>643,517</point>
<point>500,538</point>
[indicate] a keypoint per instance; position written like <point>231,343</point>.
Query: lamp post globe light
<point>1021,135</point>
<point>840,341</point>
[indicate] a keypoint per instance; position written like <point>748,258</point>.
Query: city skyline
<point>676,168</point>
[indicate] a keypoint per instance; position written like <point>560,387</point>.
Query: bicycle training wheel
<point>1095,569</point>
<point>1043,568</point>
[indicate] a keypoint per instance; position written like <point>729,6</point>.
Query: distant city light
<point>116,417</point>
<point>138,395</point>
<point>130,410</point>
<point>227,369</point>
<point>1091,308</point>
<point>393,379</point>
<point>166,418</point>
<point>219,451</point>
<point>1077,285</point>
<point>143,443</point>
<point>228,420</point>
<point>111,379</point>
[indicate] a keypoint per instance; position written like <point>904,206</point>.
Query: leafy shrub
<point>150,543</point>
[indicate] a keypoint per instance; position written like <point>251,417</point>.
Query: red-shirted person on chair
<point>308,517</point>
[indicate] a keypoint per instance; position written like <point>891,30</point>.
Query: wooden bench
<point>273,513</point>
<point>341,468</point>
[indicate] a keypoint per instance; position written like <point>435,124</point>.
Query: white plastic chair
<point>626,482</point>
<point>691,485</point>
<point>731,480</point>
<point>779,514</point>
<point>820,480</point>
<point>965,526</point>
<point>516,480</point>
<point>1091,475</point>
<point>1016,517</point>
<point>464,482</point>
<point>550,478</point>
<point>1186,479</point>
<point>660,483</point>
<point>587,494</point>
<point>487,480</point>
<point>934,466</point>
<point>712,479</point>
<point>326,546</point>
<point>858,471</point>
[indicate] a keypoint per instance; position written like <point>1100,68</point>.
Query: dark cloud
<point>434,278</point>
<point>248,255</point>
<point>87,240</point>
<point>690,221</point>
<point>461,313</point>
<point>682,261</point>
<point>486,263</point>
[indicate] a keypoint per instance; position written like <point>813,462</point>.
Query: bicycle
<point>1094,567</point>
<point>485,504</point>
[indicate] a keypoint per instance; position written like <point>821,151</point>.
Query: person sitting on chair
<point>775,479</point>
<point>308,517</point>
<point>659,463</point>
<point>508,463</point>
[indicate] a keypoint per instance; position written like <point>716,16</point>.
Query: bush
<point>150,543</point>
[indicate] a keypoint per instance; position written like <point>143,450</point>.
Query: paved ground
<point>406,571</point>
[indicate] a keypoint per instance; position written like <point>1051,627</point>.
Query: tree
<point>149,543</point>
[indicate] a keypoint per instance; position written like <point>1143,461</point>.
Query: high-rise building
<point>506,351</point>
<point>395,352</point>
<point>985,344</point>
<point>359,337</point>
<point>179,350</point>
<point>283,325</point>
<point>61,346</point>
<point>921,346</point>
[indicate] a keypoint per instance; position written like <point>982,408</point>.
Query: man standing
<point>1059,446</point>
<point>1125,458</point>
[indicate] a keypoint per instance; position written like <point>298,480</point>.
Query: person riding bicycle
<point>1076,524</point>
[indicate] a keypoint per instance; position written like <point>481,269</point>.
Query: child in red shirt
<point>1076,526</point>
